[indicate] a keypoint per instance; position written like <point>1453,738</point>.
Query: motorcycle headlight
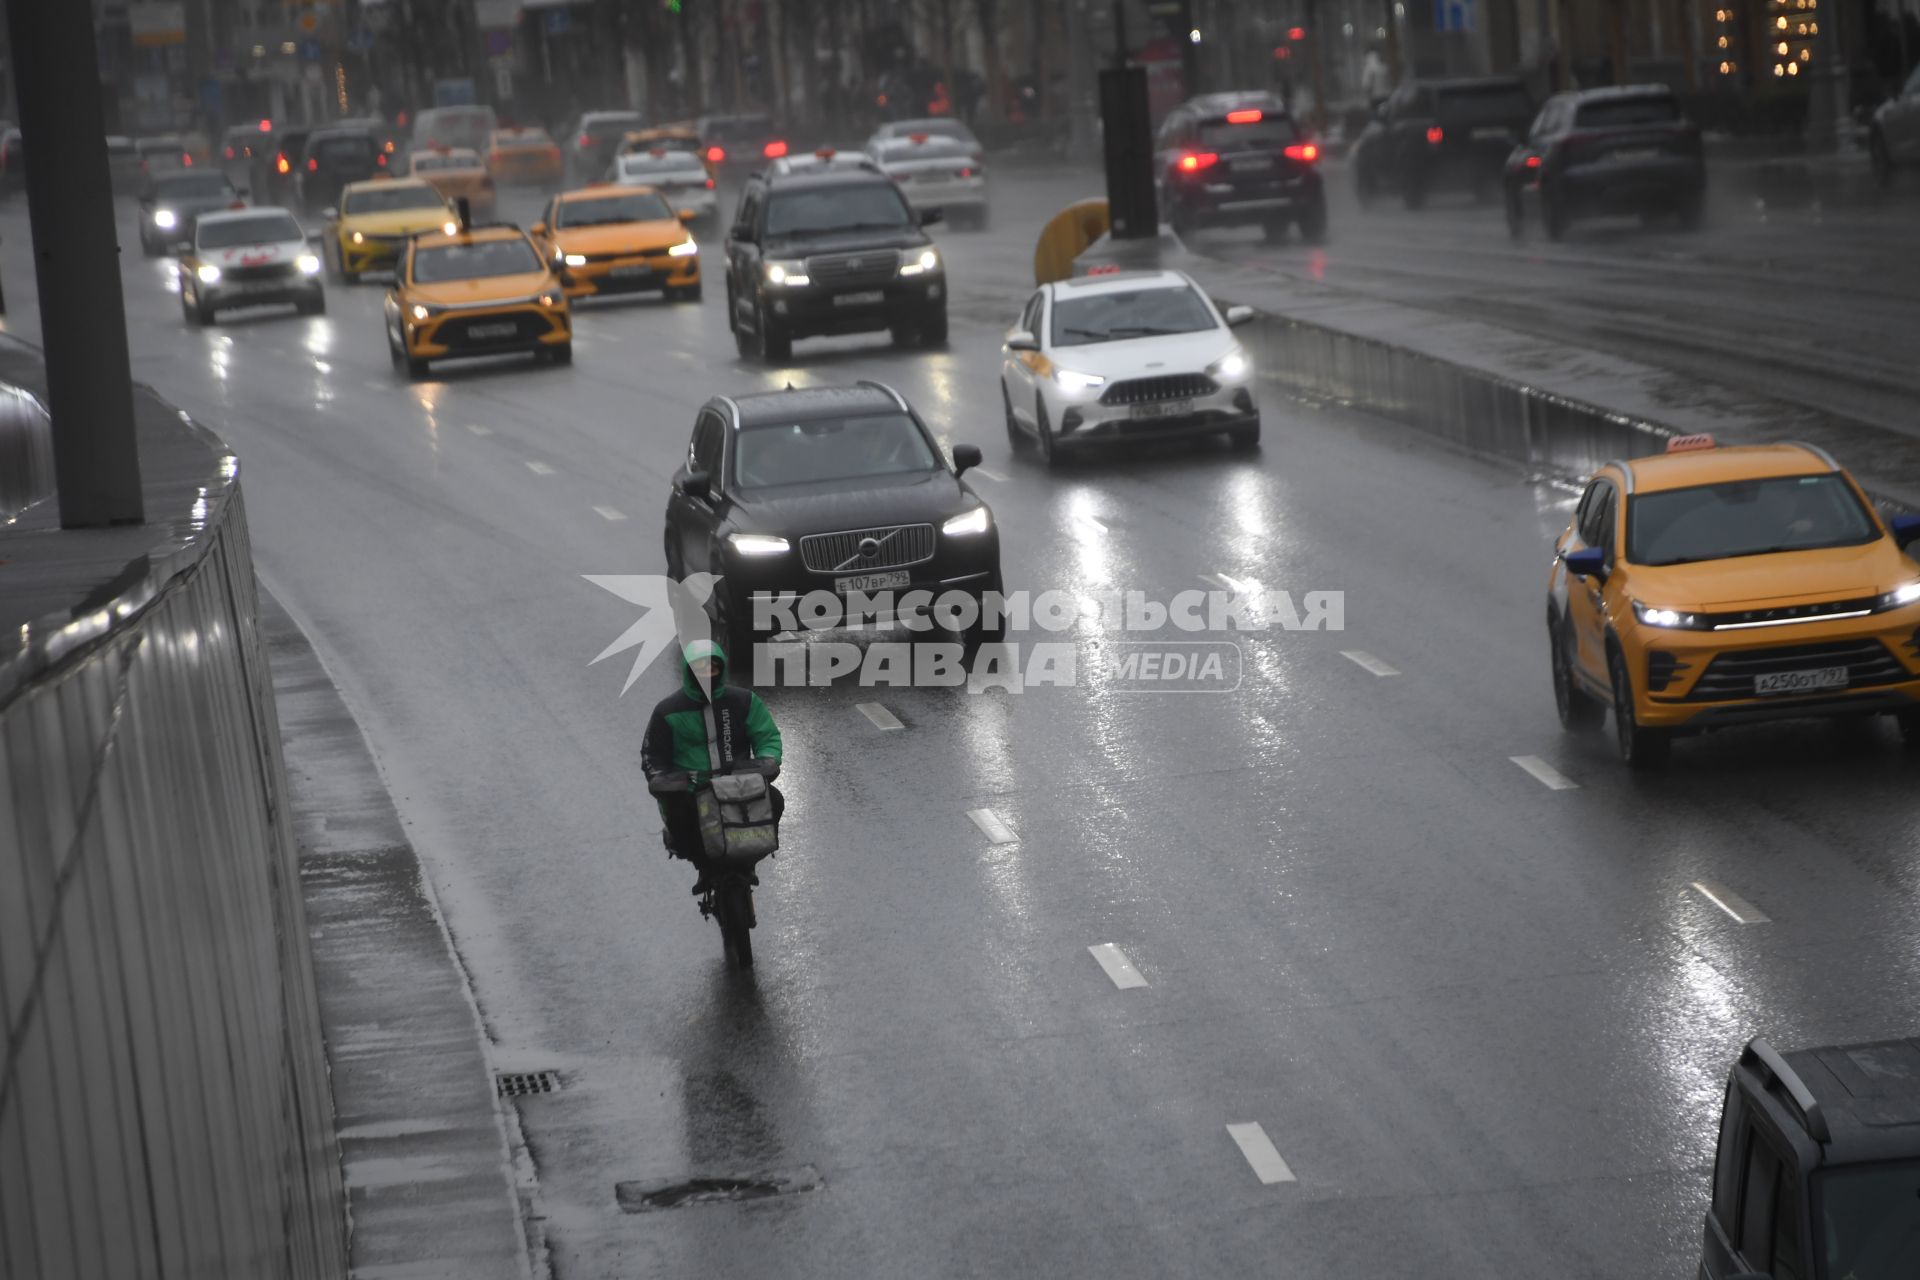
<point>788,275</point>
<point>685,249</point>
<point>309,264</point>
<point>978,520</point>
<point>1231,367</point>
<point>757,544</point>
<point>1069,380</point>
<point>208,273</point>
<point>575,259</point>
<point>1654,615</point>
<point>165,219</point>
<point>1901,596</point>
<point>929,260</point>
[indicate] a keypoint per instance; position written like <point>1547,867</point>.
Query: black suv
<point>1437,134</point>
<point>1818,1169</point>
<point>1238,159</point>
<point>335,157</point>
<point>1627,149</point>
<point>829,251</point>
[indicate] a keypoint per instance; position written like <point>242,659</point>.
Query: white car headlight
<point>1069,380</point>
<point>208,273</point>
<point>308,263</point>
<point>165,219</point>
<point>420,312</point>
<point>1654,615</point>
<point>929,260</point>
<point>757,544</point>
<point>358,238</point>
<point>685,249</point>
<point>1231,367</point>
<point>575,259</point>
<point>1901,596</point>
<point>788,275</point>
<point>978,520</point>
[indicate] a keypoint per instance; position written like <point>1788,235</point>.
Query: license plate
<point>506,330</point>
<point>1252,166</point>
<point>1801,681</point>
<point>1492,131</point>
<point>631,272</point>
<point>888,581</point>
<point>1636,153</point>
<point>865,299</point>
<point>1163,409</point>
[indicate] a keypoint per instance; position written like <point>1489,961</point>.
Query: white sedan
<point>677,175</point>
<point>1126,356</point>
<point>937,173</point>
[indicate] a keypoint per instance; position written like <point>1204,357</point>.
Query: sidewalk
<point>423,1143</point>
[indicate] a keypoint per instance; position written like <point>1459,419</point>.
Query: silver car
<point>1894,138</point>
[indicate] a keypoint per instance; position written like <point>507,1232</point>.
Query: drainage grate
<point>645,1197</point>
<point>520,1084</point>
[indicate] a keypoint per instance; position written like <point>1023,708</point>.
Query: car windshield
<point>874,206</point>
<point>597,127</point>
<point>453,126</point>
<point>739,128</point>
<point>1745,518</point>
<point>1868,1219</point>
<point>633,206</point>
<point>264,228</point>
<point>522,138</point>
<point>392,199</point>
<point>881,444</point>
<point>1465,106</point>
<point>193,186</point>
<point>157,146</point>
<point>1268,133</point>
<point>1129,313</point>
<point>1611,113</point>
<point>480,261</point>
<point>442,162</point>
<point>680,163</point>
<point>336,150</point>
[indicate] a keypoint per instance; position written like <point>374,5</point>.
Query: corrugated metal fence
<point>164,1108</point>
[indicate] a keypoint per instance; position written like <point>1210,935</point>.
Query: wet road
<point>1482,1021</point>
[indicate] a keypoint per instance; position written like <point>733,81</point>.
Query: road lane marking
<point>1733,904</point>
<point>540,468</point>
<point>1368,661</point>
<point>880,716</point>
<point>1545,774</point>
<point>1118,967</point>
<point>991,475</point>
<point>991,826</point>
<point>1260,1153</point>
<point>1087,524</point>
<point>479,430</point>
<point>610,513</point>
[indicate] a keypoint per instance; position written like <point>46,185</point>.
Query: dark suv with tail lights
<point>1432,135</point>
<point>1623,150</point>
<point>1238,159</point>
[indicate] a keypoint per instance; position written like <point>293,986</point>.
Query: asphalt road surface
<point>1480,1008</point>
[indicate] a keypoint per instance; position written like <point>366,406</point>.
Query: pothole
<point>645,1197</point>
<point>521,1084</point>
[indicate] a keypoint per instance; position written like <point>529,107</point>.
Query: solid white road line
<point>540,468</point>
<point>990,824</point>
<point>479,430</point>
<point>991,475</point>
<point>609,513</point>
<point>881,717</point>
<point>1118,967</point>
<point>1371,663</point>
<point>1732,903</point>
<point>1545,774</point>
<point>1087,524</point>
<point>1259,1151</point>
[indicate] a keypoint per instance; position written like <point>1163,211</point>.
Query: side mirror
<point>1588,562</point>
<point>537,229</point>
<point>1021,340</point>
<point>696,484</point>
<point>1237,316</point>
<point>686,215</point>
<point>965,456</point>
<point>930,216</point>
<point>1906,530</point>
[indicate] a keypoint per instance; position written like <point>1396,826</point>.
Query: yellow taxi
<point>375,220</point>
<point>525,156</point>
<point>612,240</point>
<point>458,173</point>
<point>1709,587</point>
<point>475,291</point>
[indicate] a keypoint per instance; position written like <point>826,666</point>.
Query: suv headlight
<point>978,520</point>
<point>421,311</point>
<point>1069,380</point>
<point>1901,596</point>
<point>685,249</point>
<point>787,274</point>
<point>165,219</point>
<point>1654,615</point>
<point>1231,367</point>
<point>929,260</point>
<point>208,273</point>
<point>308,263</point>
<point>574,259</point>
<point>758,544</point>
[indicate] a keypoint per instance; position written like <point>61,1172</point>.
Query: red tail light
<point>266,126</point>
<point>1304,152</point>
<point>1195,161</point>
<point>186,159</point>
<point>1252,115</point>
<point>709,184</point>
<point>774,150</point>
<point>238,204</point>
<point>584,140</point>
<point>381,159</point>
<point>963,172</point>
<point>280,163</point>
<point>1533,162</point>
<point>313,166</point>
<point>1436,135</point>
<point>229,153</point>
<point>716,154</point>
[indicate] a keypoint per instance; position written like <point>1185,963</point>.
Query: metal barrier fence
<point>26,451</point>
<point>164,1105</point>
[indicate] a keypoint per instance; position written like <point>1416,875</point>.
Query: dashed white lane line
<point>610,513</point>
<point>1369,662</point>
<point>1118,967</point>
<point>479,430</point>
<point>881,717</point>
<point>1733,904</point>
<point>540,468</point>
<point>991,475</point>
<point>1260,1153</point>
<point>1087,524</point>
<point>1545,774</point>
<point>1237,586</point>
<point>991,826</point>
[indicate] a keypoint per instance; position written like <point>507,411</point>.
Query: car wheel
<point>562,354</point>
<point>1516,215</point>
<point>314,306</point>
<point>189,309</point>
<point>335,267</point>
<point>1579,711</point>
<point>1274,231</point>
<point>1553,212</point>
<point>1414,193</point>
<point>1640,748</point>
<point>416,369</point>
<point>1043,433</point>
<point>983,632</point>
<point>395,356</point>
<point>1246,438</point>
<point>933,328</point>
<point>1015,436</point>
<point>147,247</point>
<point>1313,223</point>
<point>776,343</point>
<point>1363,188</point>
<point>1882,161</point>
<point>1910,729</point>
<point>691,293</point>
<point>743,342</point>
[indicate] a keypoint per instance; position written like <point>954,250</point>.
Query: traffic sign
<point>311,51</point>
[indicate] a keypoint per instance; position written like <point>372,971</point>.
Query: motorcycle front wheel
<point>736,920</point>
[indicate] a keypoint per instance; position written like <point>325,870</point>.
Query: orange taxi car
<point>458,173</point>
<point>475,291</point>
<point>1710,587</point>
<point>527,155</point>
<point>612,240</point>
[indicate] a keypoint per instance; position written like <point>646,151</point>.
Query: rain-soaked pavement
<point>1461,1022</point>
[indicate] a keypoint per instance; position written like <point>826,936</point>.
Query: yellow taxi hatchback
<point>524,156</point>
<point>457,173</point>
<point>1710,587</point>
<point>481,291</point>
<point>613,240</point>
<point>375,222</point>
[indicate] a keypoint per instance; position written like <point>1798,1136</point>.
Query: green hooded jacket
<point>677,734</point>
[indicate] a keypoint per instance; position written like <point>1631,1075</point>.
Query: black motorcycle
<point>729,879</point>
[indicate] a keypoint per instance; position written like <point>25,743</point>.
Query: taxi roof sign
<point>1689,444</point>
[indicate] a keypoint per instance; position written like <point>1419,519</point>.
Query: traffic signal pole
<point>76,254</point>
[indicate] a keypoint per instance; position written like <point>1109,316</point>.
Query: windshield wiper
<point>1145,331</point>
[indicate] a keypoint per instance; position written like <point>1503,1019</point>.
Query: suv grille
<point>899,545</point>
<point>242,275</point>
<point>873,267</point>
<point>1173,386</point>
<point>1730,675</point>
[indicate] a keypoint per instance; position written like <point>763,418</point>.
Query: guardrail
<point>26,451</point>
<point>164,1103</point>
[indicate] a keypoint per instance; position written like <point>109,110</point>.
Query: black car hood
<point>845,242</point>
<point>794,511</point>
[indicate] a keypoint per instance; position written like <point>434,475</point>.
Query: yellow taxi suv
<point>527,155</point>
<point>376,221</point>
<point>1709,587</point>
<point>476,291</point>
<point>457,173</point>
<point>612,240</point>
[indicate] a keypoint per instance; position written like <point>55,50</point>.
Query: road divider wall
<point>164,1102</point>
<point>26,451</point>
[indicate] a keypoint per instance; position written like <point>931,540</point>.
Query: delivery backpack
<point>735,810</point>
